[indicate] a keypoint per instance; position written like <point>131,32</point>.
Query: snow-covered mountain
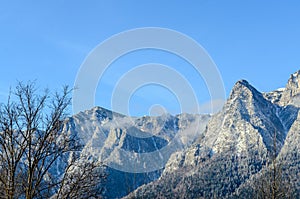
<point>236,146</point>
<point>194,156</point>
<point>135,149</point>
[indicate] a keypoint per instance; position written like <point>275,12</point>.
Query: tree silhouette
<point>33,146</point>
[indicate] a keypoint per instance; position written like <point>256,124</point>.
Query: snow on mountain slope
<point>289,156</point>
<point>122,142</point>
<point>235,145</point>
<point>287,169</point>
<point>194,155</point>
<point>247,120</point>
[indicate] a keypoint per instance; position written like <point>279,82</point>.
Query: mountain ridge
<point>194,155</point>
<point>236,145</point>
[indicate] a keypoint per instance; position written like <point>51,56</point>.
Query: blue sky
<point>48,41</point>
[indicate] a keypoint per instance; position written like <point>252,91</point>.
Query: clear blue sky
<point>48,40</point>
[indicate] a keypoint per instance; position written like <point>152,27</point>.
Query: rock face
<point>290,155</point>
<point>287,173</point>
<point>290,95</point>
<point>247,120</point>
<point>122,142</point>
<point>236,146</point>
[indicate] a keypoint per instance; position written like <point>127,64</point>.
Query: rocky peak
<point>241,84</point>
<point>294,82</point>
<point>246,120</point>
<point>242,89</point>
<point>291,94</point>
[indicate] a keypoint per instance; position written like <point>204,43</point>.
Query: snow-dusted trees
<point>272,183</point>
<point>38,159</point>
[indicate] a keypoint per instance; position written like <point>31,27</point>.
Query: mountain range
<point>225,155</point>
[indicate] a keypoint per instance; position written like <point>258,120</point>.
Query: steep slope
<point>287,171</point>
<point>248,120</point>
<point>289,156</point>
<point>235,146</point>
<point>288,165</point>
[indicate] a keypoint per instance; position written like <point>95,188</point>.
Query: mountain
<point>225,155</point>
<point>135,149</point>
<point>290,155</point>
<point>286,171</point>
<point>236,147</point>
<point>290,95</point>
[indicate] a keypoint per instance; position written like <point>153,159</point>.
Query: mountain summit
<point>238,144</point>
<point>290,95</point>
<point>294,82</point>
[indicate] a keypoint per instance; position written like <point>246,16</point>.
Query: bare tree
<point>32,145</point>
<point>82,180</point>
<point>271,183</point>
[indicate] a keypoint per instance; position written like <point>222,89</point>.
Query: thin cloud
<point>212,106</point>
